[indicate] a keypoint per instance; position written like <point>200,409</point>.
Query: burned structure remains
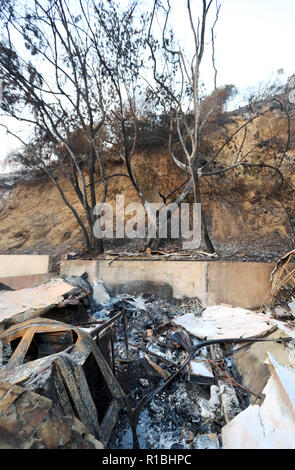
<point>81,367</point>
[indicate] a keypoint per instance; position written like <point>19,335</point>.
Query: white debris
<point>100,294</point>
<point>291,305</point>
<point>214,400</point>
<point>20,301</point>
<point>201,371</point>
<point>224,322</point>
<point>208,408</point>
<point>272,424</point>
<point>229,401</point>
<point>144,382</point>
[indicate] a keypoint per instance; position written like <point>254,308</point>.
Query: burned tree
<point>205,131</point>
<point>69,72</point>
<point>53,83</point>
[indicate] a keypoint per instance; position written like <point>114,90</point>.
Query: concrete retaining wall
<point>25,282</point>
<point>23,265</point>
<point>238,284</point>
<point>22,271</point>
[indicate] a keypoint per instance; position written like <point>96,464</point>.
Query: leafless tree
<point>66,68</point>
<point>187,114</point>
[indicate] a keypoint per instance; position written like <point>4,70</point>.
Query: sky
<point>254,39</point>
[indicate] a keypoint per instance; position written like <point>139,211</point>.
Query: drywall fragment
<point>201,372</point>
<point>270,425</point>
<point>221,321</point>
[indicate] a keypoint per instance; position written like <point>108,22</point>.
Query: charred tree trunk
<point>197,197</point>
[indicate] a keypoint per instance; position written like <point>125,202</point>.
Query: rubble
<point>64,364</point>
<point>206,441</point>
<point>26,422</point>
<point>201,372</point>
<point>131,371</point>
<point>21,305</point>
<point>270,425</point>
<point>99,293</point>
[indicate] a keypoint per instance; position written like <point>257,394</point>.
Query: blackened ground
<point>182,411</point>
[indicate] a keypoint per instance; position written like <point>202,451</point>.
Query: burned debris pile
<point>80,368</point>
<point>281,301</point>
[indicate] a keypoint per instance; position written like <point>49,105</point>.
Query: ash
<point>185,411</point>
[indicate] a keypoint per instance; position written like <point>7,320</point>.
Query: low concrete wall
<point>178,279</point>
<point>77,267</point>
<point>23,265</point>
<point>238,284</point>
<point>25,282</point>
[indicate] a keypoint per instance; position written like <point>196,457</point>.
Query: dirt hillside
<point>247,215</point>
